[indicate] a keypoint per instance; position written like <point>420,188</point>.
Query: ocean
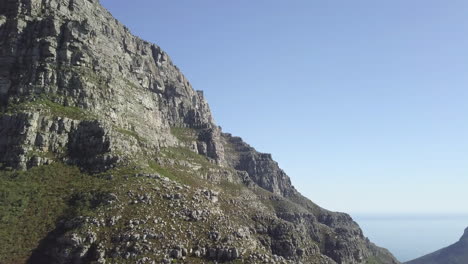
<point>412,236</point>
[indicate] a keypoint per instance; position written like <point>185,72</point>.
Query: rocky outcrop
<point>261,168</point>
<point>30,139</point>
<point>77,88</point>
<point>89,147</point>
<point>454,254</point>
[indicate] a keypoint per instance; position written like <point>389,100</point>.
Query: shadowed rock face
<point>77,87</point>
<point>454,254</point>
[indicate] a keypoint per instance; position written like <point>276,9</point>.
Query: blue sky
<point>363,103</point>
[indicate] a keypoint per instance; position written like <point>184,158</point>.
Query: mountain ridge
<point>81,97</point>
<point>454,254</point>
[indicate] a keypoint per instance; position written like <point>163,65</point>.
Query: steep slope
<point>454,254</point>
<point>108,154</point>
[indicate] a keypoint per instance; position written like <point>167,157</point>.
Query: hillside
<point>454,254</point>
<point>108,155</point>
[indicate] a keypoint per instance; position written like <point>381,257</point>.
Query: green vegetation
<point>283,205</point>
<point>131,134</point>
<point>90,75</point>
<point>162,171</point>
<point>373,260</point>
<point>176,173</point>
<point>84,203</point>
<point>61,110</point>
<point>231,187</point>
<point>55,109</point>
<point>41,154</point>
<point>181,153</point>
<point>123,171</point>
<point>85,73</point>
<point>130,84</point>
<point>31,202</point>
<point>184,134</point>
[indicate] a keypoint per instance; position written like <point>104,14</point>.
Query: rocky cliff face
<point>68,61</point>
<point>454,254</point>
<point>138,168</point>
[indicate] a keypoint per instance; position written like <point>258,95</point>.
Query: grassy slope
<point>31,203</point>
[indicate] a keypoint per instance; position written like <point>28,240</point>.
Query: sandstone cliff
<point>108,154</point>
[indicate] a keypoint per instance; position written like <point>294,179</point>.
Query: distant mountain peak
<point>465,235</point>
<point>453,254</point>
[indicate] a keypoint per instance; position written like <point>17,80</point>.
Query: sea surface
<point>411,236</point>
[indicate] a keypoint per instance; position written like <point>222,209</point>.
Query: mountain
<point>454,254</point>
<point>108,155</point>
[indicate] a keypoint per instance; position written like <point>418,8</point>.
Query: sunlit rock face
<point>76,55</point>
<point>77,88</point>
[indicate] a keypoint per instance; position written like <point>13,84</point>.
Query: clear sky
<point>363,103</point>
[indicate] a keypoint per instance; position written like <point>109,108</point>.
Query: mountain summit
<point>454,254</point>
<point>108,155</point>
<point>465,236</point>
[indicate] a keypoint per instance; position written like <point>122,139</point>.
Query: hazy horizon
<point>362,103</point>
<point>411,236</point>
